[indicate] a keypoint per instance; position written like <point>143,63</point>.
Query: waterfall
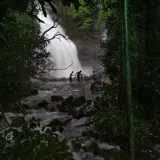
<point>63,52</point>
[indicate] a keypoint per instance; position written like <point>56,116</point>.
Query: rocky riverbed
<point>68,108</point>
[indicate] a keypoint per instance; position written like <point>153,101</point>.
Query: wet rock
<point>76,112</point>
<point>90,145</point>
<point>74,145</point>
<point>57,98</point>
<point>110,152</point>
<point>50,108</point>
<point>88,110</point>
<point>60,136</point>
<point>90,134</point>
<point>88,101</point>
<point>77,102</point>
<point>42,104</point>
<point>67,101</point>
<point>61,121</point>
<point>61,108</point>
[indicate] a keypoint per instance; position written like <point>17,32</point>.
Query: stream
<point>77,130</point>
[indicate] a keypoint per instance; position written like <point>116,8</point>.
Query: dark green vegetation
<point>145,60</point>
<point>30,144</point>
<point>18,41</point>
<point>84,16</point>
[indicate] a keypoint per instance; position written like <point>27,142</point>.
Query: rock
<point>79,101</point>
<point>60,136</point>
<point>92,148</point>
<point>60,121</point>
<point>76,112</point>
<point>67,101</point>
<point>90,134</point>
<point>50,108</point>
<point>110,152</point>
<point>61,108</point>
<point>57,98</point>
<point>74,145</point>
<point>88,101</point>
<point>81,122</point>
<point>42,104</point>
<point>88,110</point>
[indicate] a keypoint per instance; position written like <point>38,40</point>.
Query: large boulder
<point>77,112</point>
<point>42,104</point>
<point>67,101</point>
<point>56,98</point>
<point>77,102</point>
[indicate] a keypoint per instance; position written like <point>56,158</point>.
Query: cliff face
<point>89,50</point>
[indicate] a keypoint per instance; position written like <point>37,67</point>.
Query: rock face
<point>57,98</point>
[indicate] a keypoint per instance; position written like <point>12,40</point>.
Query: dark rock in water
<point>90,134</point>
<point>88,101</point>
<point>42,104</point>
<point>57,98</point>
<point>60,107</point>
<point>79,101</point>
<point>77,112</point>
<point>50,108</point>
<point>60,121</point>
<point>88,110</point>
<point>90,145</point>
<point>67,101</point>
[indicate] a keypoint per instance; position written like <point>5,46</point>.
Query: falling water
<point>63,52</point>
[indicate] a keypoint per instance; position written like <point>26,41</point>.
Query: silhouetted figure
<point>70,77</point>
<point>94,76</point>
<point>79,76</point>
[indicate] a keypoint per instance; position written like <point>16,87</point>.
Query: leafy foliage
<point>145,59</point>
<point>112,123</point>
<point>83,16</point>
<point>30,143</point>
<point>18,39</point>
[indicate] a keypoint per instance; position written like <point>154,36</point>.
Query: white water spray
<point>63,52</point>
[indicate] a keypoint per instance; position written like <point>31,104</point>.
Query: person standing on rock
<point>79,76</point>
<point>70,77</point>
